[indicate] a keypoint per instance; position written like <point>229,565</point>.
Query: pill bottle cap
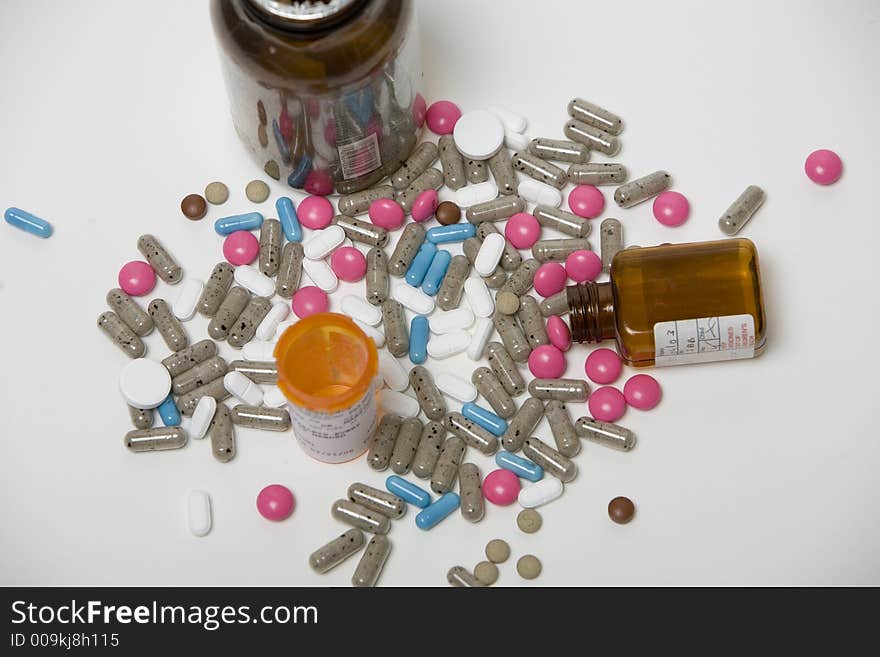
<point>304,14</point>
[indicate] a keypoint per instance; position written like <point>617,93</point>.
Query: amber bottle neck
<point>591,312</point>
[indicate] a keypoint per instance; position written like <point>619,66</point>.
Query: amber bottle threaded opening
<point>591,311</point>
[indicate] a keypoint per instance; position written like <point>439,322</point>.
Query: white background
<point>753,472</point>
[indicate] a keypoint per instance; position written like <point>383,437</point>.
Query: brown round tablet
<point>529,521</point>
<point>194,206</point>
<point>448,213</point>
<point>621,510</point>
<point>528,567</point>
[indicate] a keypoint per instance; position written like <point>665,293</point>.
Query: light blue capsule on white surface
<point>289,220</point>
<point>436,272</point>
<point>431,515</point>
<point>519,465</point>
<point>420,264</point>
<point>419,329</point>
<point>168,412</point>
<point>27,222</point>
<point>491,422</point>
<point>408,491</point>
<point>232,223</point>
<point>451,233</point>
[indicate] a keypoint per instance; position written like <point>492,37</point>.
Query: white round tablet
<point>478,134</point>
<point>144,383</point>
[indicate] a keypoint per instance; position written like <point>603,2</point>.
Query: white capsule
<point>198,512</point>
<point>516,141</point>
<point>480,338</point>
<point>541,492</point>
<point>357,308</point>
<point>269,326</point>
<point>372,332</point>
<point>452,320</point>
<point>414,299</point>
<point>254,280</point>
<point>449,344</point>
<point>274,398</point>
<point>259,350</point>
<point>392,372</point>
<point>512,121</point>
<point>479,297</point>
<point>455,387</point>
<point>489,254</point>
<point>202,416</point>
<point>322,242</point>
<point>321,274</point>
<point>472,194</point>
<point>534,191</point>
<point>242,388</point>
<point>398,404</point>
<point>184,307</point>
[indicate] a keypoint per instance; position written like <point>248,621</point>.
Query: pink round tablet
<point>586,201</point>
<point>136,278</point>
<point>559,333</point>
<point>348,264</point>
<point>442,117</point>
<point>275,502</point>
<point>522,230</point>
<point>386,213</point>
<point>607,404</point>
<point>319,183</point>
<point>550,278</point>
<point>583,266</point>
<point>315,212</point>
<point>642,392</point>
<point>547,362</point>
<point>425,205</point>
<point>823,167</point>
<point>309,300</point>
<point>501,487</point>
<point>671,209</point>
<point>241,247</point>
<point>419,109</point>
<point>603,366</point>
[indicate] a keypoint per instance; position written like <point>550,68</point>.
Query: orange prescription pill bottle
<point>327,368</point>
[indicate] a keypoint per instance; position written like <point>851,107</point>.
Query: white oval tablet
<point>372,332</point>
<point>516,141</point>
<point>242,388</point>
<point>480,338</point>
<point>534,191</point>
<point>322,242</point>
<point>282,327</point>
<point>414,299</point>
<point>357,308</point>
<point>198,512</point>
<point>449,344</point>
<point>541,492</point>
<point>472,194</point>
<point>479,297</point>
<point>184,306</point>
<point>321,274</point>
<point>452,320</point>
<point>144,383</point>
<point>511,121</point>
<point>254,280</point>
<point>273,397</point>
<point>202,416</point>
<point>269,326</point>
<point>478,135</point>
<point>393,373</point>
<point>490,253</point>
<point>259,350</point>
<point>455,387</point>
<point>398,403</point>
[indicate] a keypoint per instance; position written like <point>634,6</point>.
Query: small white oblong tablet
<point>322,242</point>
<point>198,512</point>
<point>254,280</point>
<point>393,373</point>
<point>259,350</point>
<point>534,191</point>
<point>478,134</point>
<point>273,397</point>
<point>452,320</point>
<point>479,297</point>
<point>202,416</point>
<point>267,328</point>
<point>541,492</point>
<point>184,306</point>
<point>480,338</point>
<point>372,332</point>
<point>512,121</point>
<point>398,403</point>
<point>357,308</point>
<point>321,274</point>
<point>242,388</point>
<point>144,383</point>
<point>489,254</point>
<point>472,194</point>
<point>516,141</point>
<point>449,344</point>
<point>456,387</point>
<point>414,299</point>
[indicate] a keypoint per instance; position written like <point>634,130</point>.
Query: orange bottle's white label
<point>335,437</point>
<point>703,340</point>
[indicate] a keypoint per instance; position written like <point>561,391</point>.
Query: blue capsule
<point>300,172</point>
<point>168,412</point>
<point>418,339</point>
<point>485,418</point>
<point>27,222</point>
<point>289,221</point>
<point>519,465</point>
<point>360,103</point>
<point>431,515</point>
<point>436,272</point>
<point>420,264</point>
<point>227,225</point>
<point>408,492</point>
<point>451,233</point>
<point>283,148</point>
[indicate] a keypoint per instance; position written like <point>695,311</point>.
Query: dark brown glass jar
<point>325,94</point>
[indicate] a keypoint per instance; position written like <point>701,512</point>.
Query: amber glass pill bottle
<point>676,304</point>
<point>324,94</point>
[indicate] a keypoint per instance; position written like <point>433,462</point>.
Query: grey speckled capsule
<point>504,367</point>
<point>738,214</point>
<point>185,359</point>
<point>224,319</point>
<point>290,270</point>
<point>566,439</point>
<point>471,492</point>
<point>197,376</point>
<point>332,554</point>
<point>430,179</point>
<point>642,189</point>
<point>492,391</point>
<point>565,222</point>
<point>452,163</point>
<point>406,248</point>
<point>460,577</point>
<point>424,155</point>
<point>510,258</point>
<point>594,138</point>
<point>382,445</point>
<point>521,280</point>
<point>377,281</point>
<point>394,324</point>
<point>610,241</point>
<point>539,169</point>
<point>406,445</point>
<point>558,250</point>
<point>222,434</point>
<point>605,433</point>
<point>515,341</point>
<point>476,171</point>
<point>471,433</point>
<point>154,440</point>
<point>216,288</point>
<point>245,326</point>
<point>471,246</point>
<point>128,310</point>
<point>584,110</point>
<point>449,294</point>
<point>168,325</point>
<point>186,404</point>
<point>122,336</point>
<point>576,390</point>
<point>503,172</point>
<point>559,150</point>
<point>430,399</point>
<point>446,469</point>
<point>430,445</point>
<point>372,561</point>
<point>358,203</point>
<point>532,322</point>
<point>598,173</point>
<point>378,500</point>
<point>260,417</point>
<point>548,458</point>
<point>496,209</point>
<point>258,371</point>
<point>360,517</point>
<point>160,260</point>
<point>141,418</point>
<point>555,305</point>
<point>270,247</point>
<point>361,231</point>
<point>522,424</point>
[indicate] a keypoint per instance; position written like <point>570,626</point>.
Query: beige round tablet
<point>216,193</point>
<point>506,302</point>
<point>497,551</point>
<point>528,567</point>
<point>256,191</point>
<point>529,521</point>
<point>486,572</point>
